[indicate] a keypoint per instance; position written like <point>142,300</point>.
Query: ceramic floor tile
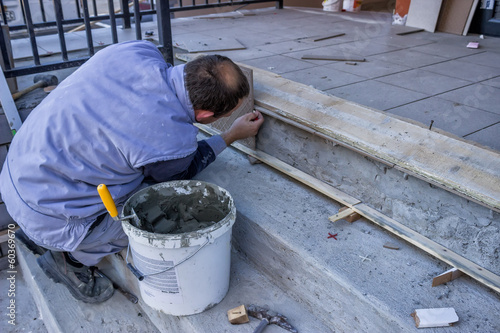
<point>489,137</point>
<point>370,68</point>
<point>447,50</point>
<point>285,47</point>
<point>362,47</point>
<point>495,82</point>
<point>408,57</point>
<point>242,55</point>
<point>447,115</point>
<point>377,95</point>
<point>278,64</point>
<point>323,78</point>
<point>464,70</point>
<point>424,81</point>
<point>480,96</point>
<point>488,58</point>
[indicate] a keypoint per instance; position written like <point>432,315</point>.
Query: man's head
<point>216,86</point>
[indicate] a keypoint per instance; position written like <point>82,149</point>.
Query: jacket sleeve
<point>187,167</point>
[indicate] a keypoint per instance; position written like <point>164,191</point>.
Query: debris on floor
<point>447,276</point>
<point>238,315</point>
<point>436,317</point>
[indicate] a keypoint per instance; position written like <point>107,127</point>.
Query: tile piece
<point>424,81</point>
<point>480,96</point>
<point>377,95</point>
<point>447,115</point>
<point>323,78</point>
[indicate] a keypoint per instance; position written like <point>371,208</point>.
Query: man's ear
<point>200,115</point>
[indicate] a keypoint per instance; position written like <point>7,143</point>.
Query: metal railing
<point>124,16</point>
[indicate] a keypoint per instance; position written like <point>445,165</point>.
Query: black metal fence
<point>85,15</point>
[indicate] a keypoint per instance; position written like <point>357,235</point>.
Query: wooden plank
<point>333,57</point>
<point>468,267</point>
<point>290,171</point>
<point>454,15</point>
<point>469,18</point>
<point>342,214</point>
<point>353,217</point>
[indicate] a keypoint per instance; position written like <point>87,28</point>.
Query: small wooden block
<point>238,315</point>
<point>437,317</point>
<point>447,276</point>
<point>352,217</point>
<point>391,246</point>
<point>341,214</point>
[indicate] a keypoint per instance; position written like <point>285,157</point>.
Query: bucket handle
<point>140,276</point>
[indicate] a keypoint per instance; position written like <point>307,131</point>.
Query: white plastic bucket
<point>184,273</point>
<point>352,5</point>
<point>332,5</point>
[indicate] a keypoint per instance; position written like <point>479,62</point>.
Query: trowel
<point>109,203</point>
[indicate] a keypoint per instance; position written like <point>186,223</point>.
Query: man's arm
<point>187,167</point>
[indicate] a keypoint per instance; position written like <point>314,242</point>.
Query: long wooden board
<point>466,266</point>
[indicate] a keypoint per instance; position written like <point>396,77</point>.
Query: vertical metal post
<point>112,18</point>
<point>126,14</point>
<point>4,14</point>
<point>3,50</point>
<point>165,30</point>
<point>59,18</point>
<point>88,28</point>
<point>95,7</point>
<point>279,4</point>
<point>78,12</point>
<point>9,106</point>
<point>31,31</point>
<point>137,19</point>
<point>42,10</point>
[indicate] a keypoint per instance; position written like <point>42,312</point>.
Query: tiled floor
<point>423,76</point>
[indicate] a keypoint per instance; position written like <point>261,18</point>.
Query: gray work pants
<point>106,238</point>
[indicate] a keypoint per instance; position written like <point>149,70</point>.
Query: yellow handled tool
<point>108,201</point>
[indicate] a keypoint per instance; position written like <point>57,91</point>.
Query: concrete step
<point>352,283</point>
<point>286,261</point>
<point>62,313</point>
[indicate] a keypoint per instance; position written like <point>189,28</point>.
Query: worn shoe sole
<point>49,266</point>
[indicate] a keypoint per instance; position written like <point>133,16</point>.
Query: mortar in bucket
<point>180,241</point>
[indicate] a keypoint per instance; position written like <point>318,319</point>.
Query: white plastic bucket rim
<point>193,238</point>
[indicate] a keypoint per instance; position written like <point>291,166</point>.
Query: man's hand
<point>244,127</point>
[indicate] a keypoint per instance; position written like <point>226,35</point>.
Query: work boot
<point>80,281</point>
